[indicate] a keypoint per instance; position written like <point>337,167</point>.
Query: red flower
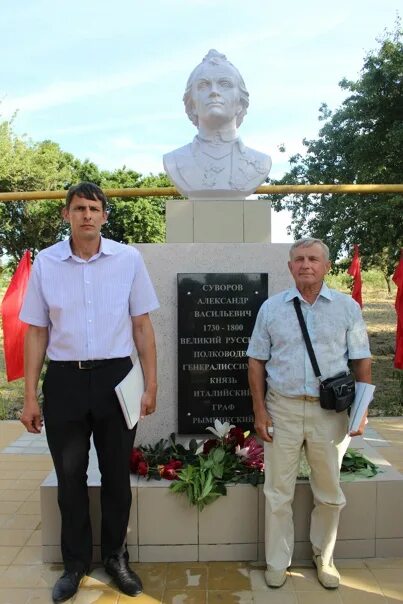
<point>210,444</point>
<point>251,454</point>
<point>142,468</point>
<point>169,470</point>
<point>236,436</point>
<point>135,458</point>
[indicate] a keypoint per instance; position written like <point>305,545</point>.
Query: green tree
<point>27,166</point>
<point>360,142</point>
<point>33,225</point>
<point>135,219</point>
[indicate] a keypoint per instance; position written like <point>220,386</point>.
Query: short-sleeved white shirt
<point>88,305</point>
<point>336,329</point>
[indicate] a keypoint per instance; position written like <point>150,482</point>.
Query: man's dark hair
<point>87,190</point>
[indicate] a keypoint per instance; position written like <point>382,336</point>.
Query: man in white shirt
<point>289,417</point>
<point>87,306</point>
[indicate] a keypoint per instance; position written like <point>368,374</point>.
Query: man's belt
<point>89,364</point>
<point>305,397</point>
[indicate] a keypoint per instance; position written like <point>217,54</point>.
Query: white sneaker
<point>275,578</point>
<point>328,575</point>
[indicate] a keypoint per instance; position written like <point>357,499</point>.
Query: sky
<point>105,79</point>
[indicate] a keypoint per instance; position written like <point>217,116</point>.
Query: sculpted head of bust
<point>216,164</point>
<point>215,93</point>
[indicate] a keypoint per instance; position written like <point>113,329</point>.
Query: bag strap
<point>297,306</point>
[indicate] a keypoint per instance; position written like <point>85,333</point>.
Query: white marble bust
<point>216,164</point>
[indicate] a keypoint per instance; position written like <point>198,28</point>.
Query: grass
<point>380,317</point>
<point>379,314</point>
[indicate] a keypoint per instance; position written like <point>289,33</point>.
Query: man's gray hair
<point>215,58</point>
<point>307,242</point>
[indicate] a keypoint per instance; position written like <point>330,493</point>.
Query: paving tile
<point>186,577</point>
<point>153,576</point>
<point>7,483</point>
<point>177,596</point>
<point>228,575</point>
<point>305,579</point>
<point>148,597</point>
<point>7,554</point>
<point>6,472</point>
<point>21,576</point>
<point>323,597</point>
<point>14,536</point>
<point>10,507</point>
<point>41,596</point>
<point>351,595</point>
<point>22,522</point>
<point>342,563</point>
<point>15,494</point>
<point>276,596</point>
<point>384,563</point>
<point>35,538</point>
<point>29,555</point>
<point>27,483</point>
<point>390,581</point>
<point>360,579</point>
<point>96,595</point>
<point>30,474</point>
<point>15,596</point>
<point>230,597</point>
<point>30,507</point>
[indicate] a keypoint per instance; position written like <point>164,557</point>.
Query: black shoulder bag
<point>336,393</point>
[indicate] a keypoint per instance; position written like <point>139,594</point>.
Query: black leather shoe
<point>67,585</point>
<point>126,580</point>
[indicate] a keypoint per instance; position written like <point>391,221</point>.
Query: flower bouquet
<point>203,469</point>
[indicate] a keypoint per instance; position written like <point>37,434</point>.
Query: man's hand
<point>31,416</point>
<point>143,335</point>
<point>263,422</point>
<point>361,428</point>
<point>148,404</point>
<point>362,373</point>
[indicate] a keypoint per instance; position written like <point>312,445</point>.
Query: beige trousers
<point>323,435</point>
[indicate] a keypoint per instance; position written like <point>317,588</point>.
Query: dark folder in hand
<point>129,392</point>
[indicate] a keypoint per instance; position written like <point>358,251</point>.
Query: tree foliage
<point>135,219</point>
<point>360,142</point>
<point>33,225</point>
<point>27,166</point>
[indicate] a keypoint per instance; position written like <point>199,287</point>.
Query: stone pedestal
<point>232,528</point>
<point>218,221</point>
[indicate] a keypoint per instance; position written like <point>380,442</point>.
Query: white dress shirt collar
<point>106,247</point>
<point>325,292</point>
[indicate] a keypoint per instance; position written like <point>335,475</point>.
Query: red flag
<point>355,271</point>
<point>14,329</point>
<point>398,279</point>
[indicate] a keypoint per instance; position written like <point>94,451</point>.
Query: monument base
<point>232,528</point>
<point>209,221</point>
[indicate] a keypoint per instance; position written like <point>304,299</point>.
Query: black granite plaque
<point>216,316</point>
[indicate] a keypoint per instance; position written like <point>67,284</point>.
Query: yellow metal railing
<point>172,192</point>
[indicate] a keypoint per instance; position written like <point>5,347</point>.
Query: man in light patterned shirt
<point>87,306</point>
<point>289,416</point>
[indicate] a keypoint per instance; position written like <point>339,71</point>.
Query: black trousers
<point>78,403</point>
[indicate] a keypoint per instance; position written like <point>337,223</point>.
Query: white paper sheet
<point>364,393</point>
<point>129,392</point>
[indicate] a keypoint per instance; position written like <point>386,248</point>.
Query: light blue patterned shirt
<point>335,326</point>
<point>88,305</point>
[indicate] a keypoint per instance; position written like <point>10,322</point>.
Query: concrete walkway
<point>25,462</point>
